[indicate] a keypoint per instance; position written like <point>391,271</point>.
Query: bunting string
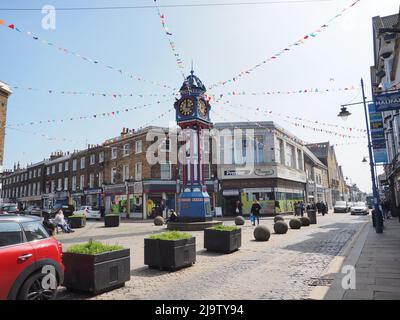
<point>95,94</point>
<point>269,130</point>
<point>160,116</point>
<point>303,40</point>
<point>286,116</point>
<point>296,124</point>
<point>88,117</point>
<point>45,136</point>
<point>284,92</point>
<point>18,29</point>
<point>177,56</point>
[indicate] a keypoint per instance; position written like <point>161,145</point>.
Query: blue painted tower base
<point>194,205</point>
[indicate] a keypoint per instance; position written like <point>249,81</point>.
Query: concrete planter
<point>96,273</point>
<point>169,254</point>
<point>111,221</point>
<point>77,222</point>
<point>222,241</point>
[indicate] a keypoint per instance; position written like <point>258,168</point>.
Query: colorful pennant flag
<point>75,54</point>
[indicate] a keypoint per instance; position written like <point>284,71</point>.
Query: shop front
<point>135,194</point>
<point>275,187</point>
<point>48,200</point>
<point>93,197</point>
<point>116,199</point>
<point>159,196</point>
<point>61,197</point>
<point>77,199</point>
<point>33,201</point>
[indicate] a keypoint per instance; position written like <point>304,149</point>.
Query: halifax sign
<point>387,101</point>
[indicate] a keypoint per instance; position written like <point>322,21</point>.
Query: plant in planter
<point>96,267</point>
<point>112,220</point>
<point>223,238</point>
<point>77,221</point>
<point>281,227</point>
<point>170,250</point>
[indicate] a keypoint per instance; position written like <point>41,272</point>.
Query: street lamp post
<point>344,114</point>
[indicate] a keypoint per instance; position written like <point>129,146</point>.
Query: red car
<point>30,259</point>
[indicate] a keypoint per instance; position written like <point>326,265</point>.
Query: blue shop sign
<point>387,101</point>
<point>377,135</point>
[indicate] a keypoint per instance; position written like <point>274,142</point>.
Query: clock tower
<point>193,116</point>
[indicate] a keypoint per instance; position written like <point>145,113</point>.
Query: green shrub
<point>80,215</point>
<point>171,235</point>
<point>93,247</point>
<point>224,228</point>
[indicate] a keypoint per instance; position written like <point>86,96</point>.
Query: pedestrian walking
<point>255,211</point>
<point>319,207</point>
<point>239,208</point>
<point>302,208</point>
<point>323,208</point>
<point>297,209</point>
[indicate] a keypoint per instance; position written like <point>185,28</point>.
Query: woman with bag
<point>255,212</point>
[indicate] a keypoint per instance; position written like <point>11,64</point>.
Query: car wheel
<point>32,289</point>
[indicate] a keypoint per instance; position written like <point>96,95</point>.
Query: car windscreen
<point>359,204</point>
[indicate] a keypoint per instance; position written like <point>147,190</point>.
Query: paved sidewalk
<point>285,267</point>
<point>376,258</point>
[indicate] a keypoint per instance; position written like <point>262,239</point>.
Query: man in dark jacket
<point>255,211</point>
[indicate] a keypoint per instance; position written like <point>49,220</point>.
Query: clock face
<point>186,107</point>
<point>202,108</point>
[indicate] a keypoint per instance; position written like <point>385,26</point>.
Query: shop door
<point>230,205</point>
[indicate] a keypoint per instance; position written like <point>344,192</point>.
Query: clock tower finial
<point>192,71</point>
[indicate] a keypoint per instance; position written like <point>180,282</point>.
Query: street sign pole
<point>378,213</point>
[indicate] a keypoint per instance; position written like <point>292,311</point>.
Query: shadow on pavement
<point>318,242</point>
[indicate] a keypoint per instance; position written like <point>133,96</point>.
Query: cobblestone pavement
<point>282,268</point>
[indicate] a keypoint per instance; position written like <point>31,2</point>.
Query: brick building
<point>5,92</point>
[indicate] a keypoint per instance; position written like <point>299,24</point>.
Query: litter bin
<point>312,215</point>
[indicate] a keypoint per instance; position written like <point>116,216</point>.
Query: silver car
<point>359,208</point>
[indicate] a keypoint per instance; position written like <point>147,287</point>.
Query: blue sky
<point>222,41</point>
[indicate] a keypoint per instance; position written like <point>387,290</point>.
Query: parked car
<point>9,208</point>
<point>33,211</point>
<point>25,249</point>
<point>89,212</point>
<point>359,208</point>
<point>340,207</point>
